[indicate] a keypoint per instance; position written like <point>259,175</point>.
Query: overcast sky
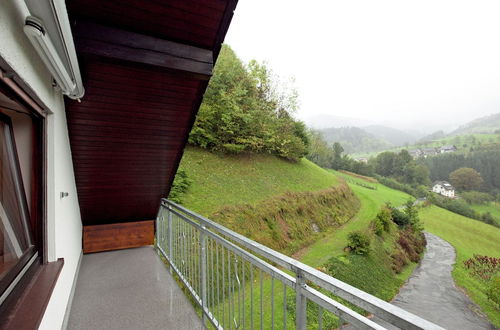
<point>390,61</point>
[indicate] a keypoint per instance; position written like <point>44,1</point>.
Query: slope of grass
<point>289,205</point>
<point>493,208</point>
<point>371,201</point>
<point>222,180</point>
<point>462,142</point>
<point>468,237</point>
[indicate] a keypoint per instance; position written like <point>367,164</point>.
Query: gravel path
<point>431,293</point>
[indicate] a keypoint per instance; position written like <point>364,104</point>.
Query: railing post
<point>170,253</point>
<point>203,255</point>
<point>300,302</point>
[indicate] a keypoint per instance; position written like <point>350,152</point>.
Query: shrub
<point>483,267</point>
<point>382,221</point>
<point>493,290</point>
<point>359,242</point>
<point>399,260</point>
<point>377,226</point>
<point>476,197</point>
<point>232,148</point>
<point>180,186</point>
<point>400,218</point>
<point>461,207</point>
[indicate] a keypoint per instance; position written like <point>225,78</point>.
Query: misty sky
<point>390,61</point>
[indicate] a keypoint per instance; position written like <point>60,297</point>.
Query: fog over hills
<point>358,135</point>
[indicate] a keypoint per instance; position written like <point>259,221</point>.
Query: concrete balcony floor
<point>129,289</point>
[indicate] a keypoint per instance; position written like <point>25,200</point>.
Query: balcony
<point>231,281</point>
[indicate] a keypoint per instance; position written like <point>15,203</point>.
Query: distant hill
<point>354,139</point>
<point>431,137</point>
<point>329,121</point>
<point>483,125</point>
<point>393,136</point>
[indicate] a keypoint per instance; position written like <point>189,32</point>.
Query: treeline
<point>247,109</point>
<point>332,156</point>
<point>398,166</point>
<point>400,171</point>
<point>486,162</point>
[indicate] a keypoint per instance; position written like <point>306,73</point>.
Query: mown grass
<point>224,180</point>
<point>277,202</point>
<point>371,201</point>
<point>493,208</point>
<point>371,273</point>
<point>468,237</point>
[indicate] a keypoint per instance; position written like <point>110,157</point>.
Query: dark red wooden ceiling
<point>145,66</point>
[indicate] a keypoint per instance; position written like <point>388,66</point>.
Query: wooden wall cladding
<point>193,22</point>
<point>117,236</point>
<point>127,136</point>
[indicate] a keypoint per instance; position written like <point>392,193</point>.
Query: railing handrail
<point>382,309</point>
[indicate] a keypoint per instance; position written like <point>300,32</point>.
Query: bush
<point>476,197</point>
<point>232,148</point>
<point>400,218</point>
<point>382,221</point>
<point>359,242</point>
<point>462,208</point>
<point>482,267</point>
<point>377,226</point>
<point>392,183</point>
<point>493,290</point>
<point>180,186</point>
<point>399,261</point>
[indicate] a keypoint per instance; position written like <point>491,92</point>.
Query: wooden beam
<point>124,45</point>
<point>117,236</point>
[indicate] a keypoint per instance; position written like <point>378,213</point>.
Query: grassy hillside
<point>224,180</point>
<point>493,208</point>
<point>462,142</point>
<point>371,201</point>
<point>468,237</point>
<point>487,124</point>
<point>301,209</point>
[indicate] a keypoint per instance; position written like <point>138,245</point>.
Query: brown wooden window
<point>16,241</point>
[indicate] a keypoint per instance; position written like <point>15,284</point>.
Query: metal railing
<point>237,283</point>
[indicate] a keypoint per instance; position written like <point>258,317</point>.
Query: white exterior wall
<point>441,190</point>
<point>64,223</point>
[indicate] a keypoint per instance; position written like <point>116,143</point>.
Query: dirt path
<point>431,293</point>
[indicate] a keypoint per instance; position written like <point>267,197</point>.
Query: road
<point>431,292</point>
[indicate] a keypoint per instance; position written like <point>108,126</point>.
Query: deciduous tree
<point>466,178</point>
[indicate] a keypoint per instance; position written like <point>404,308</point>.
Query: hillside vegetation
<point>299,209</point>
<point>220,180</point>
<point>354,139</point>
<point>308,212</point>
<point>487,124</point>
<point>284,205</point>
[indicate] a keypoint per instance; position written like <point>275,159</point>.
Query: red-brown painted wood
<point>117,236</point>
<point>144,72</point>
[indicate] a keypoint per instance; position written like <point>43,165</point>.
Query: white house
<point>447,149</point>
<point>443,188</point>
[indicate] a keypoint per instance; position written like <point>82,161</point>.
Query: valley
<point>284,205</point>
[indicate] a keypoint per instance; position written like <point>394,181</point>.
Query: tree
<point>337,156</point>
<point>247,108</point>
<point>466,178</point>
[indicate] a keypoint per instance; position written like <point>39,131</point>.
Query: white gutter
<point>56,24</point>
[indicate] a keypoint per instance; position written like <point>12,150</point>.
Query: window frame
<point>13,275</point>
